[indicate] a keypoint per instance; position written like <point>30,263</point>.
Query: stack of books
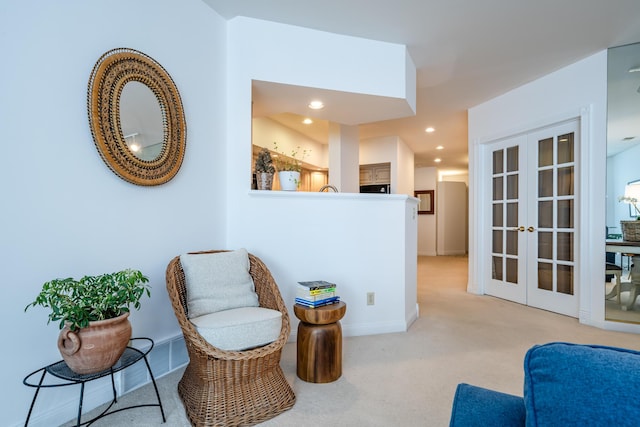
<point>316,293</point>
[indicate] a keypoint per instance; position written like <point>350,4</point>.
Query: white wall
<point>406,169</point>
<point>344,148</point>
<point>426,179</point>
<point>579,90</point>
<point>378,150</point>
<point>410,255</point>
<point>451,218</point>
<point>393,150</point>
<point>356,241</point>
<point>454,177</point>
<point>267,131</point>
<point>621,169</point>
<point>64,213</point>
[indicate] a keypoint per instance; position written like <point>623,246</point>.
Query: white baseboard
<point>452,252</point>
<point>412,317</point>
<point>355,330</point>
<point>427,253</point>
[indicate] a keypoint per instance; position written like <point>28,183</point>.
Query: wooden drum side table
<point>319,358</point>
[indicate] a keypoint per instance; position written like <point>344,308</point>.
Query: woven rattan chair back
<point>232,388</point>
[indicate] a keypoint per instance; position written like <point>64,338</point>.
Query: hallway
<point>442,274</point>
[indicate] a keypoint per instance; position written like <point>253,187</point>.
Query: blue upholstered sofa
<point>564,385</point>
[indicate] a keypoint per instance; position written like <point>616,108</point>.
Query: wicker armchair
<point>232,388</point>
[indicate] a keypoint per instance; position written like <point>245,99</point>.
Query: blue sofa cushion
<point>480,407</point>
<point>581,385</point>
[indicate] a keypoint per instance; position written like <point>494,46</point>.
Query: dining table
<point>632,249</point>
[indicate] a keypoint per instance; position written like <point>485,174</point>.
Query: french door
<point>532,227</point>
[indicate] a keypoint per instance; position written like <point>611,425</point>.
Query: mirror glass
<point>426,205</point>
<point>136,117</point>
<point>141,121</point>
<point>623,153</point>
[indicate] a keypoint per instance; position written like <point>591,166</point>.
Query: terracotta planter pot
<point>97,347</point>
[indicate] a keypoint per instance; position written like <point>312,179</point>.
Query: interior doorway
<point>531,225</point>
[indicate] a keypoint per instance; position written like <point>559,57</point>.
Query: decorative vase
<point>264,180</point>
<point>96,347</point>
<point>289,180</point>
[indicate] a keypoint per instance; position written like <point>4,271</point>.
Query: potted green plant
<point>289,168</point>
<point>93,314</point>
<point>264,169</point>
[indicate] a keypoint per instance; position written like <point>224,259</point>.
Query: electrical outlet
<point>371,298</point>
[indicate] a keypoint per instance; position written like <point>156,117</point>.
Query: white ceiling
<point>466,51</point>
<point>346,108</point>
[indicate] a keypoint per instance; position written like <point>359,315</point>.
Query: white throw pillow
<point>218,281</point>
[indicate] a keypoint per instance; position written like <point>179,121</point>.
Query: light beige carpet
<point>408,379</point>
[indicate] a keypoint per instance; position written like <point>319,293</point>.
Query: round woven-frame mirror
<point>110,75</point>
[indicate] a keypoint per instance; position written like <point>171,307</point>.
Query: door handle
<point>521,228</point>
<point>530,229</point>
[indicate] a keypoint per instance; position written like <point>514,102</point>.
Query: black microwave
<point>376,188</point>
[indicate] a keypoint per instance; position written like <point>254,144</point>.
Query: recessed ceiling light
<point>439,147</point>
<point>634,69</point>
<point>316,105</point>
<point>429,129</point>
<point>307,121</point>
<point>437,160</point>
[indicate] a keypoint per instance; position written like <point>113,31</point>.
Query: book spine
<point>319,297</point>
<point>316,292</point>
<point>317,303</point>
<point>318,300</point>
<point>322,291</point>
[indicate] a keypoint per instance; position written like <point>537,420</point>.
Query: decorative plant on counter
<point>290,162</point>
<point>264,162</point>
<point>94,316</point>
<point>264,169</point>
<point>75,303</point>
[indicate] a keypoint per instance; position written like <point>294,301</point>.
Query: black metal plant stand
<point>60,370</point>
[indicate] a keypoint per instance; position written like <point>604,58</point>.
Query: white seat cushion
<point>218,281</point>
<point>240,328</point>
